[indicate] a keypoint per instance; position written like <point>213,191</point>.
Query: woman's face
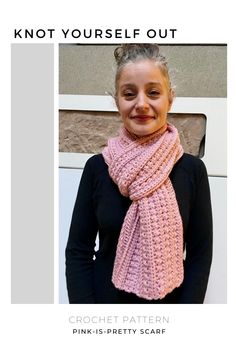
<point>143,97</point>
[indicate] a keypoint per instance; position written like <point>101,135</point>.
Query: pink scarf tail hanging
<point>149,255</point>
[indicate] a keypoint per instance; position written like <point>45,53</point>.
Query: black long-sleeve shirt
<point>100,207</point>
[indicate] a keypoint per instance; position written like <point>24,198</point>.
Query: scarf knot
<point>149,255</point>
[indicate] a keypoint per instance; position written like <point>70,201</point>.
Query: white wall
<point>68,186</point>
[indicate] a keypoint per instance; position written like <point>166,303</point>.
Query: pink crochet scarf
<point>149,255</point>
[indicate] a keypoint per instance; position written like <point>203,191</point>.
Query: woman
<point>147,199</point>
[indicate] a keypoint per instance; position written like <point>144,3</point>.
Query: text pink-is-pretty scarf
<point>149,255</point>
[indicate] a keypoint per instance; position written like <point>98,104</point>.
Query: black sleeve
<point>81,243</point>
<point>198,243</point>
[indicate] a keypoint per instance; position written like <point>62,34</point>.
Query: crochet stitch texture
<point>149,255</point>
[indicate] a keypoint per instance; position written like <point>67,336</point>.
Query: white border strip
<point>87,103</point>
<point>215,110</point>
<point>73,159</point>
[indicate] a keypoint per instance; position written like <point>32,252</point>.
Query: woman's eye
<point>154,93</point>
<point>129,94</point>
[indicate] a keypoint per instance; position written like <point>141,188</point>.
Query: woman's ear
<point>171,97</point>
<point>116,101</point>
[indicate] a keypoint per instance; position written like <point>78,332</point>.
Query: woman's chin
<point>142,129</point>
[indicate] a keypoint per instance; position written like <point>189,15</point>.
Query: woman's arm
<point>198,243</point>
<point>81,243</point>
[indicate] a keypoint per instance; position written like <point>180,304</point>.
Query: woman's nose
<point>142,102</point>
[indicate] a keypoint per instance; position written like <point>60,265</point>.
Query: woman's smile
<point>142,118</point>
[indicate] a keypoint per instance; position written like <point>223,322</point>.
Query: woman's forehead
<point>141,72</point>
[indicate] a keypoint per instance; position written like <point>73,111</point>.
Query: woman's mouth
<point>142,118</point>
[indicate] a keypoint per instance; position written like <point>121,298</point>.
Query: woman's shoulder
<point>191,164</point>
<point>96,164</point>
<point>191,160</point>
